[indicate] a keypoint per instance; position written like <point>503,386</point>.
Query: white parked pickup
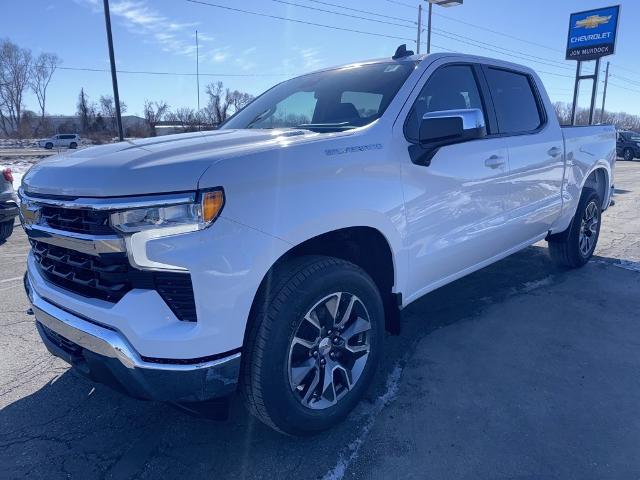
<point>270,255</point>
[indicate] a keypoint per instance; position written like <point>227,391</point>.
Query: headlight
<point>187,217</point>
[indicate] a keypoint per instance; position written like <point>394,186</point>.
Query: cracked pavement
<point>519,370</point>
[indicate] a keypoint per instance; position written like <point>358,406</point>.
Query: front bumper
<point>104,355</point>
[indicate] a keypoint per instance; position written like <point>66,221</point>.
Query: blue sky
<point>158,36</point>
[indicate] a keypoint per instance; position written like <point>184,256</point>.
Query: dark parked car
<point>628,145</point>
<point>8,204</point>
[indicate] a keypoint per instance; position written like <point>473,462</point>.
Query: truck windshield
<point>328,101</point>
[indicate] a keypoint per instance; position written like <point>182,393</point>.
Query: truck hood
<point>172,163</point>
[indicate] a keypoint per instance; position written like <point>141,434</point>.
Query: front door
<point>454,207</point>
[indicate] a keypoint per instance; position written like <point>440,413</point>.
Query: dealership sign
<point>592,34</point>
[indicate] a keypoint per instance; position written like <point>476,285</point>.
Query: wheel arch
<point>599,180</point>
<point>364,246</point>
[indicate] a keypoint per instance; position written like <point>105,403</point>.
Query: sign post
<point>592,35</point>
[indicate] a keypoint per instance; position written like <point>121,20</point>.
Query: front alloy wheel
<point>313,344</point>
<point>329,350</point>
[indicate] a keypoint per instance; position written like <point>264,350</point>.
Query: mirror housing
<point>446,127</point>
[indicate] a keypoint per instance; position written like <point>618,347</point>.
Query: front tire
<point>627,154</point>
<point>574,247</point>
<point>313,344</point>
<point>48,146</point>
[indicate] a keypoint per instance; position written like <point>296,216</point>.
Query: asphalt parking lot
<point>519,370</point>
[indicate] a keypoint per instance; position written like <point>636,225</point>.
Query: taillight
<point>8,175</point>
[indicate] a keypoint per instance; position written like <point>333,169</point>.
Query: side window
<point>452,87</point>
<point>514,100</point>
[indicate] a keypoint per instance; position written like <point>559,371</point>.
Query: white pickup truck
<point>269,256</point>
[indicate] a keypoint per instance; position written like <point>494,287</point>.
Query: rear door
<point>455,206</point>
<point>536,153</point>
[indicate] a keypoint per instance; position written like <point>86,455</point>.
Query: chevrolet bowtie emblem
<point>593,21</point>
<point>30,213</point>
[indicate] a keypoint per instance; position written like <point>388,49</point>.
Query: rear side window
<point>515,102</point>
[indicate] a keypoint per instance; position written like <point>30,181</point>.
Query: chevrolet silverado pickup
<point>270,256</point>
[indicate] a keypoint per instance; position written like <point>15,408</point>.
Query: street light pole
<point>604,93</point>
<point>429,28</point>
<point>114,76</point>
<point>419,28</point>
<point>442,3</point>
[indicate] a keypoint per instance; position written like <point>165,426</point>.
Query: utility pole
<point>604,93</point>
<point>114,76</point>
<point>198,69</point>
<point>429,29</point>
<point>419,28</point>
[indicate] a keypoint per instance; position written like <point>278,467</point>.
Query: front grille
<point>109,277</point>
<point>93,222</point>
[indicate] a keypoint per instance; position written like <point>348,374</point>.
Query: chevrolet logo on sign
<point>593,21</point>
<point>592,33</point>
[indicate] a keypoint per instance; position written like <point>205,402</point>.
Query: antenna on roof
<point>402,52</point>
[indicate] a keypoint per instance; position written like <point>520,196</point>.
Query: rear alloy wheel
<point>313,344</point>
<point>575,246</point>
<point>627,154</point>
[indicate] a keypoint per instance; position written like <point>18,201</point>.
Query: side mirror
<point>446,127</point>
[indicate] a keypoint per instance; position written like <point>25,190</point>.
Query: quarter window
<point>452,87</point>
<point>514,100</point>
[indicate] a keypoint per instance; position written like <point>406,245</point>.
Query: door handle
<point>555,151</point>
<point>494,161</point>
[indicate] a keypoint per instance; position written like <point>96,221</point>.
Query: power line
<point>146,72</point>
<point>293,20</point>
<point>445,33</point>
<point>513,37</point>
<point>402,3</point>
<point>367,12</point>
<point>624,88</point>
<point>526,56</point>
<point>342,14</point>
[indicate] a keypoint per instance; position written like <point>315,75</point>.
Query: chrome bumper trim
<point>105,356</point>
<point>84,243</point>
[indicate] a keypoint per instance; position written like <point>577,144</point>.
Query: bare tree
<point>223,103</point>
<point>15,63</point>
<point>108,111</point>
<point>154,112</point>
<point>239,100</point>
<point>42,70</point>
<point>86,111</point>
<point>188,118</point>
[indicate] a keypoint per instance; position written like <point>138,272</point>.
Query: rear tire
<point>6,229</point>
<point>73,145</point>
<point>627,154</point>
<point>574,247</point>
<point>297,333</point>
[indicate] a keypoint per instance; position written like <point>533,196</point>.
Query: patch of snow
<point>534,285</point>
<point>628,265</point>
<point>352,450</point>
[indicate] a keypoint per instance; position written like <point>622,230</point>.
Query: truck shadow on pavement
<point>71,428</point>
